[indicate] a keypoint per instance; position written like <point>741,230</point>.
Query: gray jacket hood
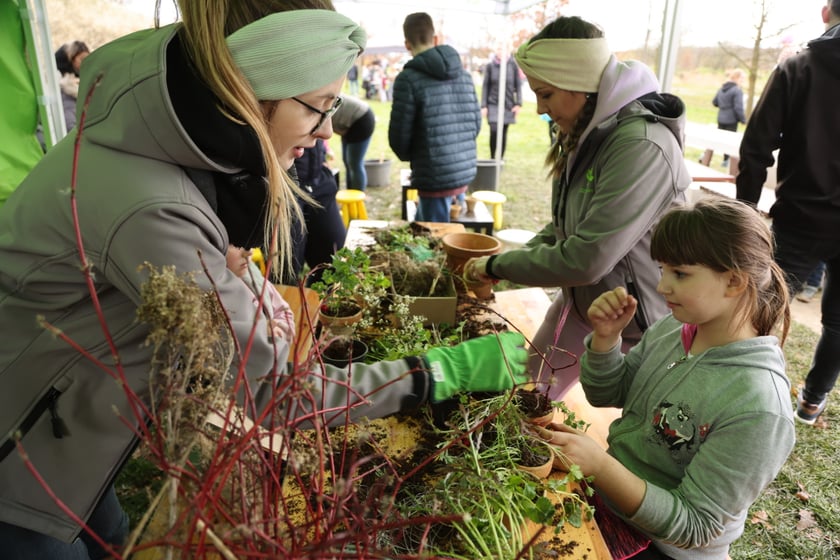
<point>625,82</point>
<point>134,87</point>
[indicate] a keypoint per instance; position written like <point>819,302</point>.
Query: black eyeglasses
<point>324,114</point>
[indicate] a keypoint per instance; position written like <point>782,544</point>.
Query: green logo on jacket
<point>590,178</point>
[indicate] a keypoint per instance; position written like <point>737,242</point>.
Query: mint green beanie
<point>286,54</point>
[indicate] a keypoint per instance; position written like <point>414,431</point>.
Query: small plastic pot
<point>342,351</point>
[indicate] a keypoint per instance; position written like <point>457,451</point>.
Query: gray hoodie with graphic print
<point>708,432</point>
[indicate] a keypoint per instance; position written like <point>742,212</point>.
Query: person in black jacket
<point>435,120</point>
<point>796,114</point>
<point>325,232</point>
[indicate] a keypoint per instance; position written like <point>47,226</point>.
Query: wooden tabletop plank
<point>304,303</point>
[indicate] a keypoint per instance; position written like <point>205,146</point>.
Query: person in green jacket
<point>183,150</point>
<point>616,167</point>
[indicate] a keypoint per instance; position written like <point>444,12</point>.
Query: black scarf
<point>238,199</point>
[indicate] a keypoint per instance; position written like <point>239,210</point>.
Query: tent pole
<point>45,76</point>
<point>671,18</point>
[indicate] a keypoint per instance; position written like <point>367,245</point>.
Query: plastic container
<point>514,238</point>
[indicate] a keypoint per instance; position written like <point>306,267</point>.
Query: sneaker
<point>807,412</point>
<point>807,293</point>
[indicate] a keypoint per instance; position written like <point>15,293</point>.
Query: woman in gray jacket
<point>181,150</point>
<point>616,167</point>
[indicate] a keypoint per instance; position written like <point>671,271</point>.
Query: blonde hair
<point>206,23</point>
<point>736,75</point>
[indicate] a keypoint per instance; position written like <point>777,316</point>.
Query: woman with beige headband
<point>183,149</point>
<point>616,166</point>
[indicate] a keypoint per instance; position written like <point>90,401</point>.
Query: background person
<point>354,122</point>
<point>729,100</point>
<point>353,80</point>
<point>323,233</point>
<point>435,120</point>
<point>222,95</point>
<point>702,395</point>
<point>490,99</point>
<point>796,115</point>
<point>68,61</point>
<point>616,167</point>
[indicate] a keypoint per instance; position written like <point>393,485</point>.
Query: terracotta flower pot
<point>340,325</point>
<point>462,246</point>
<point>543,470</point>
<point>536,406</point>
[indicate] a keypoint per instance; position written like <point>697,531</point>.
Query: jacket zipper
<point>48,402</point>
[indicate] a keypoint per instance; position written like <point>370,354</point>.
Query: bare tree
<point>527,22</point>
<point>758,59</point>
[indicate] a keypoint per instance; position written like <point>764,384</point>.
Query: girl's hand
<point>608,315</point>
<point>612,479</point>
<point>574,448</point>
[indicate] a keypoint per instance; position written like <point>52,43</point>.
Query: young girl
<point>281,324</point>
<point>707,421</point>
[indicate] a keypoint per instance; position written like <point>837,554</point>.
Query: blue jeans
<point>108,520</point>
<point>353,155</point>
<point>815,278</point>
<point>433,209</point>
<point>798,256</point>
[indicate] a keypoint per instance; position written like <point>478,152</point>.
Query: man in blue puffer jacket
<point>435,119</point>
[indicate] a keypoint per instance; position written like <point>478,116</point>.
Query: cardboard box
<point>436,310</point>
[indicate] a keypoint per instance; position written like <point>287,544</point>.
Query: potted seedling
<point>342,350</point>
<point>344,287</point>
<point>414,262</point>
<point>535,405</point>
<point>479,481</point>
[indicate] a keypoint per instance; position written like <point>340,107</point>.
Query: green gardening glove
<point>488,363</point>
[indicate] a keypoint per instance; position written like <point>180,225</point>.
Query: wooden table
<point>700,172</point>
<point>304,303</point>
<point>525,309</point>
